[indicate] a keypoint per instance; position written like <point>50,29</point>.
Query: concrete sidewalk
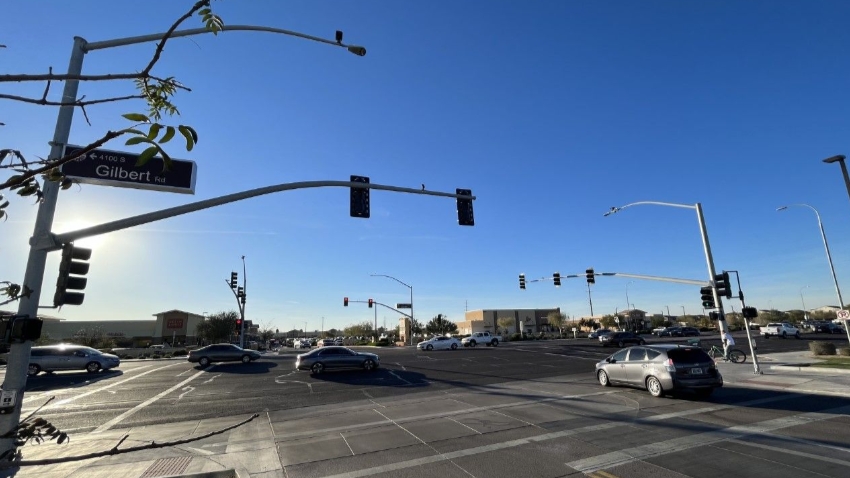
<point>251,450</point>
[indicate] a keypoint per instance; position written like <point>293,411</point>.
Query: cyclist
<point>728,341</point>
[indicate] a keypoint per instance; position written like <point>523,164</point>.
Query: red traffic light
<point>371,302</point>
<point>345,301</point>
<point>238,321</point>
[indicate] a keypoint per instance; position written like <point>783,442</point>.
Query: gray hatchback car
<point>661,369</point>
<point>49,358</point>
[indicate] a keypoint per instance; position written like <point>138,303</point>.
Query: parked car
<point>439,343</point>
<point>222,353</point>
<point>301,344</point>
<point>621,339</point>
<point>325,342</point>
<point>661,369</point>
<point>50,358</point>
<point>335,357</point>
<point>339,341</point>
<point>779,329</point>
<point>598,332</point>
<point>829,328</point>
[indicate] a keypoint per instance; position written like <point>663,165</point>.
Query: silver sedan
<point>335,357</point>
<point>439,343</point>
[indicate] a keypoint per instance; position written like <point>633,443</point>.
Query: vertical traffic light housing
<point>557,278</point>
<point>360,198</point>
<point>721,281</point>
<point>707,297</point>
<point>71,267</point>
<point>371,302</point>
<point>522,281</point>
<point>234,280</point>
<point>465,216</point>
<point>345,301</point>
<point>591,276</point>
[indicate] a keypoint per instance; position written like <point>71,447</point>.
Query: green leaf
<point>154,131</point>
<point>137,140</point>
<point>169,133</point>
<point>204,11</point>
<point>187,133</point>
<point>146,156</point>
<point>138,117</point>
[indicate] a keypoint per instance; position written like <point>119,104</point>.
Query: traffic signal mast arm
<point>379,303</point>
<point>52,242</point>
<point>630,276</point>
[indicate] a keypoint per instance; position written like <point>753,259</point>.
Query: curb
<point>811,368</point>
<point>228,473</point>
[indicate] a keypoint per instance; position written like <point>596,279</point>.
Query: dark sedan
<point>222,353</point>
<point>621,339</point>
<point>829,328</point>
<point>336,357</point>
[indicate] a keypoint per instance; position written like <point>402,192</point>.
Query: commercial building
<point>529,321</point>
<point>173,326</point>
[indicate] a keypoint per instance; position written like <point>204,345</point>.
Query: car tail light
<point>669,365</point>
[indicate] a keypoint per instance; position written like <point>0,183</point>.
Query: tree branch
<point>159,46</point>
<point>115,451</point>
<point>44,102</point>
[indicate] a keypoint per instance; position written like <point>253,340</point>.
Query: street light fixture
<point>825,246</point>
<point>411,299</point>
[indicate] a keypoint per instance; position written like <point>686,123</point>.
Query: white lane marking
<point>185,391</point>
<point>396,376</point>
<point>638,453</point>
<point>402,366</point>
<point>539,438</point>
<point>132,411</point>
<point>464,425</point>
<point>793,452</point>
<point>212,378</point>
<point>65,401</point>
<point>346,443</point>
<point>184,373</point>
<point>42,395</point>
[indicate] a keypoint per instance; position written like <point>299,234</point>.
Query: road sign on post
<point>404,306</point>
<point>116,168</point>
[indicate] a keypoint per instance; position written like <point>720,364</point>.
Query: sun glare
<point>94,242</point>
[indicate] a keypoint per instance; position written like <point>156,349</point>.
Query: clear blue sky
<point>551,112</point>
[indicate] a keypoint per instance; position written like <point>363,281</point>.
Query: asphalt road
<point>523,378</point>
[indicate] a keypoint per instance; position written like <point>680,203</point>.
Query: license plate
<point>696,371</point>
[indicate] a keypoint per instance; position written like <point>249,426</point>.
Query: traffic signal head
<point>707,297</point>
<point>522,281</point>
<point>750,312</point>
<point>557,278</point>
<point>721,281</point>
<point>359,204</point>
<point>25,328</point>
<point>234,280</point>
<point>71,266</point>
<point>240,292</point>
<point>371,302</point>
<point>345,301</point>
<point>591,279</point>
<point>465,216</point>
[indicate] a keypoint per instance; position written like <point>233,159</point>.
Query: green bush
<point>822,348</point>
<point>516,337</point>
<point>845,352</point>
<point>180,353</point>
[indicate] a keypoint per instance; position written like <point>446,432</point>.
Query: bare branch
<point>47,87</point>
<point>39,408</point>
<point>159,47</point>
<point>116,451</point>
<point>44,102</point>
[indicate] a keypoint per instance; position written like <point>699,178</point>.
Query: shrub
<point>822,348</point>
<point>516,337</point>
<point>845,352</point>
<point>179,353</point>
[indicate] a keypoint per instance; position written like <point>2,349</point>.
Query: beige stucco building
<point>170,326</point>
<point>487,320</point>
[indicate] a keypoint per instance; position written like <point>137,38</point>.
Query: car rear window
<point>686,354</point>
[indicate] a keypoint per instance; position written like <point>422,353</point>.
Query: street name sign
<point>403,306</point>
<point>116,168</point>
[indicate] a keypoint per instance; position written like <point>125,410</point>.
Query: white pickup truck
<point>480,338</point>
<point>779,329</point>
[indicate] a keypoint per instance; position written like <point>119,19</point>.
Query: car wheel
<point>642,342</point>
<point>602,376</point>
<point>429,347</point>
<point>494,343</point>
<point>317,368</point>
<point>797,335</point>
<point>653,386</point>
<point>784,334</point>
<point>92,367</point>
<point>454,346</point>
<point>369,365</point>
<point>472,343</point>
<point>246,359</point>
<point>204,362</point>
<point>621,344</point>
<point>33,370</point>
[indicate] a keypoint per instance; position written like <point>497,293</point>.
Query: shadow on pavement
<point>53,381</point>
<point>381,377</point>
<point>240,368</point>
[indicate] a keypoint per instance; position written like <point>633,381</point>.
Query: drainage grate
<point>167,466</point>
